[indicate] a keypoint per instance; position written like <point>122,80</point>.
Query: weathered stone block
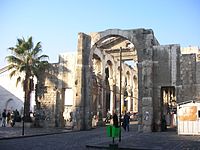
<point>147,101</point>
<point>147,115</point>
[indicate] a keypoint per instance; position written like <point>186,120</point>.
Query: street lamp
<point>120,91</point>
<point>23,119</point>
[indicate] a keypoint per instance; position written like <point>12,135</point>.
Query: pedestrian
<point>8,117</point>
<point>115,120</point>
<point>108,117</point>
<point>4,118</point>
<point>16,115</point>
<point>126,121</point>
<point>163,124</point>
<point>13,119</point>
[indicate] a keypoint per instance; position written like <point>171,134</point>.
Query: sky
<point>56,23</point>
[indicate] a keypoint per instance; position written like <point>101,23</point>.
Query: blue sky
<point>56,23</point>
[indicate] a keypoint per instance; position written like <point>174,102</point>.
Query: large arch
<point>143,40</point>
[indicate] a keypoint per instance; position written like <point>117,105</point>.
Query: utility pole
<point>120,91</point>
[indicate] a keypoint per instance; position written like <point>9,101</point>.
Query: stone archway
<point>10,103</point>
<point>143,41</point>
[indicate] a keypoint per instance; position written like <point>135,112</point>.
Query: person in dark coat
<point>8,115</point>
<point>126,121</point>
<point>4,118</point>
<point>115,119</point>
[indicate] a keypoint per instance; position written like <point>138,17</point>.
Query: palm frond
<point>29,43</point>
<point>11,48</point>
<point>22,68</point>
<point>43,57</point>
<point>11,66</point>
<point>37,50</point>
<point>18,80</point>
<point>13,59</point>
<point>20,41</point>
<point>13,73</point>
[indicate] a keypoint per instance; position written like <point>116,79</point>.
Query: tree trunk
<point>27,107</point>
<point>27,97</point>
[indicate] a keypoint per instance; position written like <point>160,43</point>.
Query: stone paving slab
<point>16,132</point>
<point>153,141</point>
<point>130,140</point>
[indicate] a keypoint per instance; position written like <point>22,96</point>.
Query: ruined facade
<point>92,80</point>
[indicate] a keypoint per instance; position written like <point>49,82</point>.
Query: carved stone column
<point>122,99</point>
<point>112,102</point>
<point>129,99</point>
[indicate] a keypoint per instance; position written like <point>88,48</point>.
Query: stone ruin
<point>82,86</point>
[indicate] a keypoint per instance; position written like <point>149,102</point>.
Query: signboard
<point>188,113</point>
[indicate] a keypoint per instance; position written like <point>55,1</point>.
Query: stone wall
<point>197,72</point>
<point>51,97</point>
<point>188,77</point>
<point>190,66</point>
<point>48,107</point>
<point>165,74</point>
<point>198,80</point>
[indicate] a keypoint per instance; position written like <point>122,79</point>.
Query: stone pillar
<point>135,95</point>
<point>135,100</point>
<point>103,94</point>
<point>129,102</point>
<point>99,96</point>
<point>122,100</point>
<point>147,111</point>
<point>129,98</point>
<point>83,84</point>
<point>146,102</point>
<point>111,96</point>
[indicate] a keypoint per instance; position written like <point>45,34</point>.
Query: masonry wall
<point>198,80</point>
<point>68,76</point>
<point>188,77</point>
<point>165,74</point>
<point>198,72</point>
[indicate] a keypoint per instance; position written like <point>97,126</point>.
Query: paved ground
<point>64,139</point>
<point>16,132</point>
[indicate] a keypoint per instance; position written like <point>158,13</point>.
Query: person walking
<point>8,117</point>
<point>115,119</point>
<point>4,118</point>
<point>126,121</point>
<point>108,117</point>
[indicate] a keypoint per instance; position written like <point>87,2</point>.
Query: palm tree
<point>26,62</point>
